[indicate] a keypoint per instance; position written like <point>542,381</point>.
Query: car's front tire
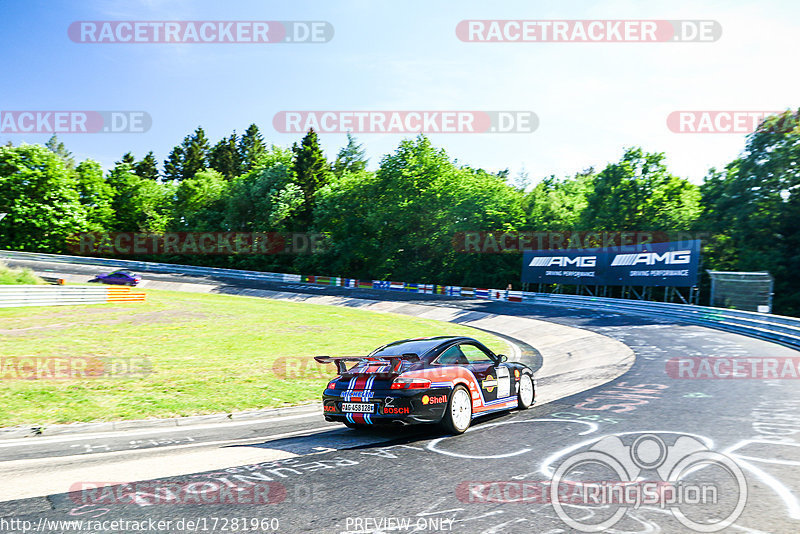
<point>526,393</point>
<point>458,416</point>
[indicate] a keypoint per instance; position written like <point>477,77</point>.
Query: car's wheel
<point>458,416</point>
<point>526,393</point>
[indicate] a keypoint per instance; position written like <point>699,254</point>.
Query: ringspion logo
<point>405,122</point>
<point>74,121</point>
<point>199,31</point>
<point>588,31</point>
<point>687,477</point>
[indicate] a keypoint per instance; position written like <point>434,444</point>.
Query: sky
<point>592,99</point>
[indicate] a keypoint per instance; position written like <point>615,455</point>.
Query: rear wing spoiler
<point>395,362</point>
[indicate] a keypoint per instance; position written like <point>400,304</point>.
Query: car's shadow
<point>368,437</point>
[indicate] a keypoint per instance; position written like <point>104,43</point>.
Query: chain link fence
<point>741,291</point>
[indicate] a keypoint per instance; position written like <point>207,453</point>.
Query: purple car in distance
<point>125,278</point>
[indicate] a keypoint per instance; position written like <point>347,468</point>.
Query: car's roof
<point>418,346</point>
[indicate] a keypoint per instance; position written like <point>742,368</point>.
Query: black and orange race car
<point>448,380</point>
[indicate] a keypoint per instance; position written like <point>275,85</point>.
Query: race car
<point>445,379</point>
<point>125,278</point>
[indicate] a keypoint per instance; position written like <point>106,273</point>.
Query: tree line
<point>398,221</point>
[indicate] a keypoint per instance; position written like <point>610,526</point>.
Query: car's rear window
<point>417,346</point>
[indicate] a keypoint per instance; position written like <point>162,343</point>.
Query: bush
<point>10,276</point>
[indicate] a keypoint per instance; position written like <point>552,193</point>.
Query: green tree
<point>753,208</point>
<point>351,158</point>
<point>57,147</point>
<point>555,204</point>
<point>224,157</point>
<point>639,193</point>
<point>140,205</point>
<point>41,196</point>
<point>96,195</point>
<point>147,168</point>
<point>265,198</point>
<point>199,202</point>
<point>189,158</point>
<point>401,221</point>
<point>127,158</point>
<point>173,165</point>
<point>312,171</point>
<point>251,148</point>
<point>195,152</point>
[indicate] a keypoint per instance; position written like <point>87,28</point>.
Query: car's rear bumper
<point>389,407</point>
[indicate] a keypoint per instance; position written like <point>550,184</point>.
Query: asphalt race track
<point>496,478</point>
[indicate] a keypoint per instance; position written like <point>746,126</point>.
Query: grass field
<point>209,354</point>
<point>17,276</point>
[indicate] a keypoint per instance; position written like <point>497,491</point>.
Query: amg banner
<point>674,264</point>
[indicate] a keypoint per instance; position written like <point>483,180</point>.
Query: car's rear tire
<point>458,415</point>
<point>526,393</point>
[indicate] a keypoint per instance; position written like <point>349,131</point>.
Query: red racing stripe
<point>361,382</point>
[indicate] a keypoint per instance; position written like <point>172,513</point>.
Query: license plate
<point>358,407</point>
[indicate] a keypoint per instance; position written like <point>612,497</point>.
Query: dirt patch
<point>164,316</point>
<point>300,329</point>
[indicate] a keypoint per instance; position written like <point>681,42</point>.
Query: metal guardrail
<point>30,295</point>
<point>775,328</point>
<point>153,267</point>
<point>14,296</point>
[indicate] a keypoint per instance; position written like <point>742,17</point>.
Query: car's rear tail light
<point>332,384</point>
<point>410,383</point>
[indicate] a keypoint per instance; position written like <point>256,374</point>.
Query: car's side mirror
<point>503,357</point>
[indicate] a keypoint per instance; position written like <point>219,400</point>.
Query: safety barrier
<point>153,267</point>
<point>13,296</point>
<point>125,294</point>
<point>776,328</point>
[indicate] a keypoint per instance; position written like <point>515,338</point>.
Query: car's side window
<point>452,356</point>
<point>475,354</point>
